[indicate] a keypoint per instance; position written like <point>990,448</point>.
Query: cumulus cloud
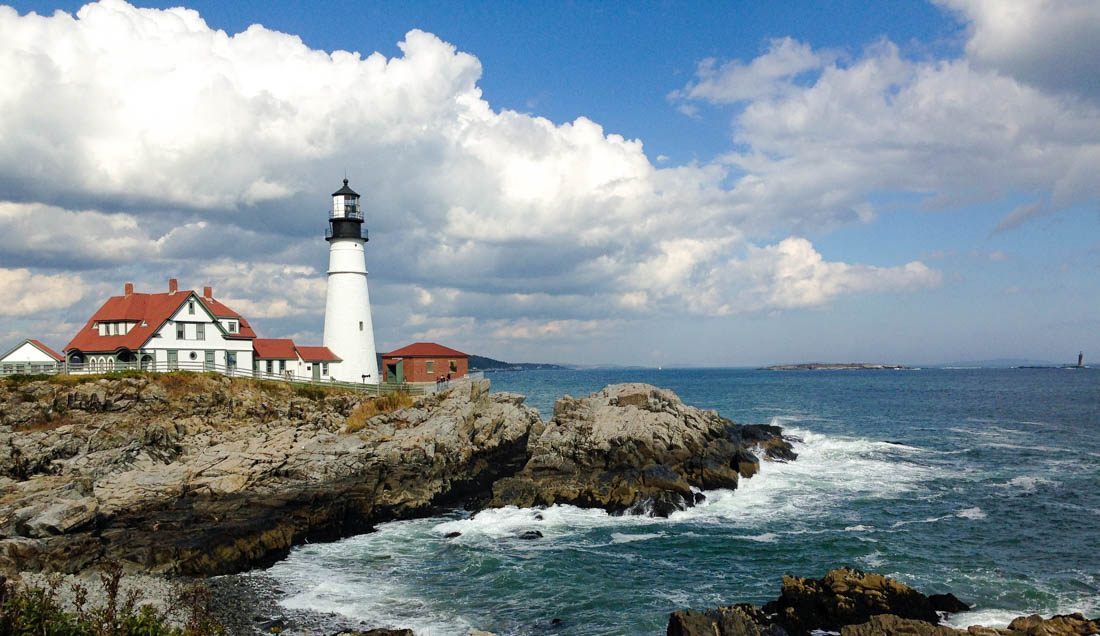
<point>150,137</point>
<point>1049,43</point>
<point>946,130</point>
<point>24,293</point>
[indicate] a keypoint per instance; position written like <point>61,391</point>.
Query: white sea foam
<point>859,528</point>
<point>829,471</point>
<point>971,513</point>
<point>333,578</point>
<point>767,537</point>
<point>992,617</point>
<point>1027,484</point>
<point>622,537</point>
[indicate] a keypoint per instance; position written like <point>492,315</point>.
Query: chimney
<point>173,285</point>
<point>129,289</point>
<point>207,292</point>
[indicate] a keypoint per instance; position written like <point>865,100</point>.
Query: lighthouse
<point>348,329</point>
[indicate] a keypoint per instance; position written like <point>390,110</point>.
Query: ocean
<point>980,482</point>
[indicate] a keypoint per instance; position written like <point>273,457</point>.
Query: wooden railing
<point>198,366</point>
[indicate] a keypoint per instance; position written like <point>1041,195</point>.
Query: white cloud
<point>767,75</point>
<point>1048,43</point>
<point>265,290</point>
<point>23,293</point>
<point>792,274</point>
<point>181,144</point>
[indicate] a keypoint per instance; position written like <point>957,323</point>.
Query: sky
<point>656,183</point>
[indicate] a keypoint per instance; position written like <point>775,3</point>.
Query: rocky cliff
<point>635,447</point>
<point>201,474</point>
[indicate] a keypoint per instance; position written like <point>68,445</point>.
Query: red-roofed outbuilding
<point>424,362</point>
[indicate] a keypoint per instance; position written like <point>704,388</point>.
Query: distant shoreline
<point>834,366</point>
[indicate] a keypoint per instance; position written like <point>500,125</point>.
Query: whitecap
<point>622,537</point>
<point>971,513</point>
<point>767,537</point>
<point>859,528</point>
<point>1027,484</point>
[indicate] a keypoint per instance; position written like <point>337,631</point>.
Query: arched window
<point>110,364</point>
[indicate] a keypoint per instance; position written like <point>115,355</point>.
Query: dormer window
<point>191,307</point>
<point>231,326</point>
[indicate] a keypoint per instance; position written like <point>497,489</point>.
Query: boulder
<point>845,597</point>
<point>635,448</point>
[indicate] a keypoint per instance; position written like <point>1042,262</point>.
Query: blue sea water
<point>984,483</point>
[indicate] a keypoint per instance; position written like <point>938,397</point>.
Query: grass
<point>36,610</point>
<point>387,403</point>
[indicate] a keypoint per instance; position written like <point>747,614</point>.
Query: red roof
<point>317,354</point>
<point>425,350</point>
<point>275,348</point>
<point>47,350</point>
<point>149,311</point>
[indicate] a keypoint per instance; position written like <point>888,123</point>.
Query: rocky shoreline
<point>197,475</point>
<point>184,476</point>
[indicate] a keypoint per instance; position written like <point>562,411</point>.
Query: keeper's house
<point>29,356</point>
<point>163,332</point>
<point>424,362</point>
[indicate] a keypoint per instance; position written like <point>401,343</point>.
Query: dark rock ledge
<point>636,448</point>
<point>855,603</point>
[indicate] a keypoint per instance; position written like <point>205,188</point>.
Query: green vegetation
<point>37,611</point>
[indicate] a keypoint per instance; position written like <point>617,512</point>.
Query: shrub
<point>36,610</point>
<point>19,379</point>
<point>387,403</point>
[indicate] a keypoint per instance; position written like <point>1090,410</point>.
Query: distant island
<point>832,366</point>
<point>481,363</point>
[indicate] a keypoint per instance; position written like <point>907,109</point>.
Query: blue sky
<point>658,183</point>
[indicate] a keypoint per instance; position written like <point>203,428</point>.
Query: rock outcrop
<point>197,474</point>
<point>635,447</point>
<point>856,603</point>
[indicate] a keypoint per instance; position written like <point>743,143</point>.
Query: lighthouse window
<point>360,325</point>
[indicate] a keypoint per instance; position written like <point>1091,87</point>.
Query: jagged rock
<point>736,620</point>
<point>196,474</point>
<point>530,534</point>
<point>635,447</point>
<point>1062,624</point>
<point>887,624</point>
<point>63,517</point>
<point>947,603</point>
<point>845,597</point>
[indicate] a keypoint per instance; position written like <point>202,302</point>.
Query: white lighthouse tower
<point>348,329</point>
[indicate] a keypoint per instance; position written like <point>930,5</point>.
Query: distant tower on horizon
<point>1080,359</point>
<point>349,332</point>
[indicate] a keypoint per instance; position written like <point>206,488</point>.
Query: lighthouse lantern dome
<point>345,203</point>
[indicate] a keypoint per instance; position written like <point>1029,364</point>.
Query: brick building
<point>424,362</point>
